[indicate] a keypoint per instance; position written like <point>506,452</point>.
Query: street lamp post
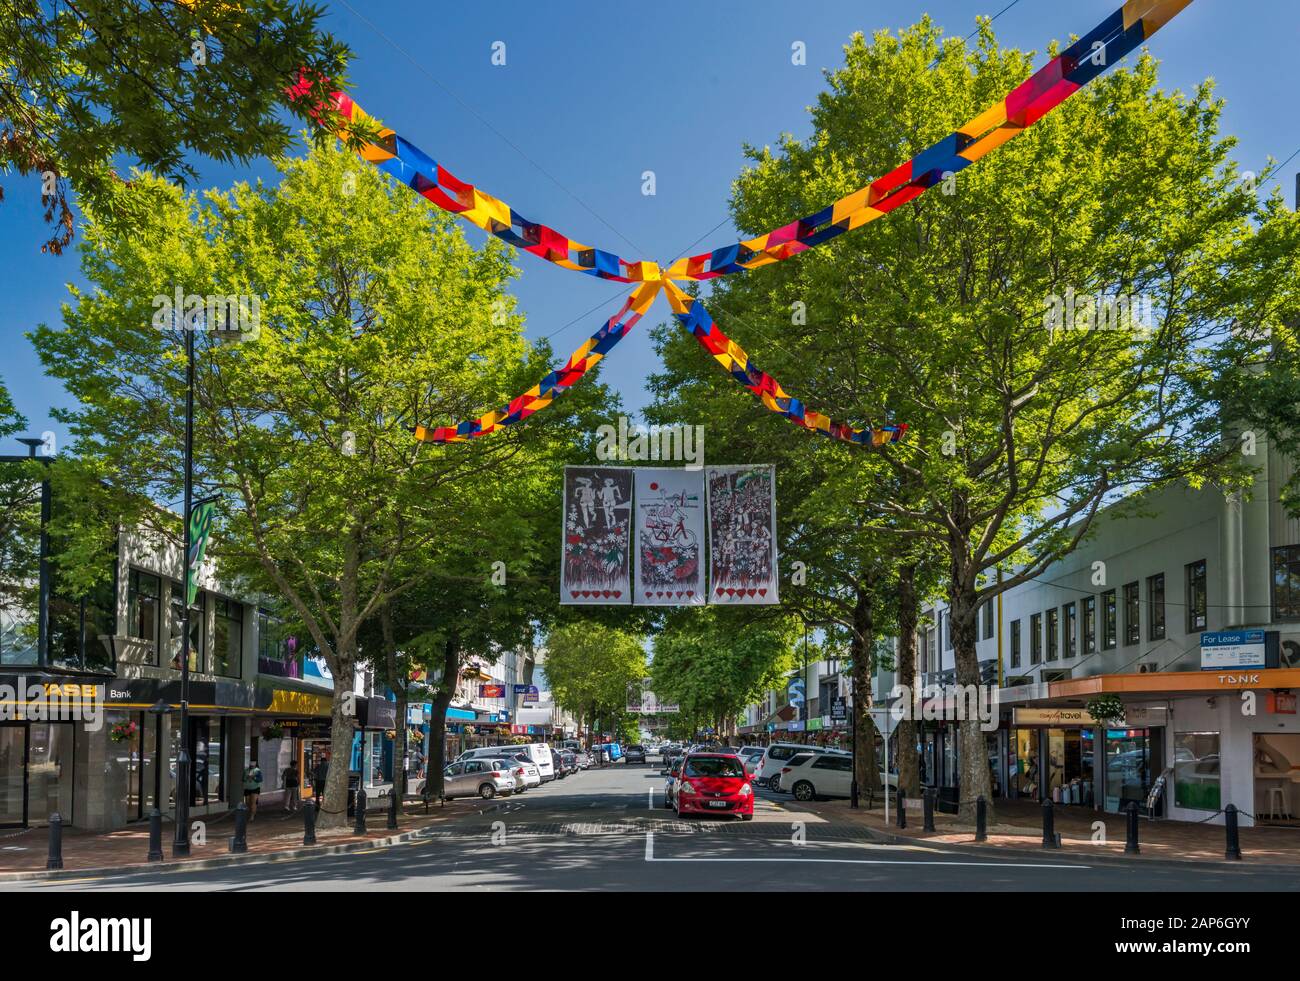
<point>181,844</point>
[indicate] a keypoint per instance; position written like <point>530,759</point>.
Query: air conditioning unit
<point>1148,668</point>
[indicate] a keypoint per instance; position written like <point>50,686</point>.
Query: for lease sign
<point>1232,649</point>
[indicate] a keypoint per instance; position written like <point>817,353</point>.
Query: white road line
<point>650,857</point>
<point>652,798</point>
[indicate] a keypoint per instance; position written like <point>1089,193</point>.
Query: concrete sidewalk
<point>1017,826</point>
<point>272,833</point>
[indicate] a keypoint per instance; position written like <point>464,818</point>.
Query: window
<point>143,604</point>
<point>1196,770</point>
<point>1015,643</point>
<point>1132,627</point>
<point>1036,638</point>
<point>1053,621</point>
<point>988,619</point>
<point>1286,583</point>
<point>227,637</point>
<point>1070,630</point>
<point>843,763</point>
<point>1090,625</point>
<point>1156,606</point>
<point>197,631</point>
<point>1109,620</point>
<point>947,629</point>
<point>1197,599</point>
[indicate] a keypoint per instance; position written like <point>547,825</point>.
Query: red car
<point>714,783</point>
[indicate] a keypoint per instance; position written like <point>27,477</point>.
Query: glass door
<point>13,767</point>
<point>50,768</point>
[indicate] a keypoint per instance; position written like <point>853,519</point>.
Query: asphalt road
<point>607,829</point>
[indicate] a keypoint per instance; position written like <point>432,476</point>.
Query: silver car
<point>483,777</point>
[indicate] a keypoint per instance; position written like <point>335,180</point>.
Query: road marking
<point>652,798</point>
<point>650,857</point>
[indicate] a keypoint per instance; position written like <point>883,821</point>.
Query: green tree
<point>590,667</point>
<point>374,314</point>
<point>86,80</point>
<point>1023,427</point>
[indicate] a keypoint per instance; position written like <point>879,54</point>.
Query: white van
<point>539,753</point>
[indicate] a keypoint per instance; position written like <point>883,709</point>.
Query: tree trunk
<point>866,773</point>
<point>334,809</point>
<point>971,747</point>
<point>909,769</point>
<point>438,718</point>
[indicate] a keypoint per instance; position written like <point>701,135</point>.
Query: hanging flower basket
<point>1106,708</point>
<point>273,731</point>
<point>122,731</point>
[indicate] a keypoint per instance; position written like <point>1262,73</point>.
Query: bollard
<point>155,836</point>
<point>392,809</point>
<point>361,811</point>
<point>981,819</point>
<point>927,800</point>
<point>1049,826</point>
<point>55,860</point>
<point>902,809</point>
<point>309,823</point>
<point>1131,841</point>
<point>1233,851</point>
<point>239,843</point>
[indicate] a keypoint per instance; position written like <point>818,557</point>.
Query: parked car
<point>752,757</point>
<point>635,754</point>
<point>774,782</point>
<point>583,758</point>
<point>525,772</point>
<point>775,757</point>
<point>484,777</point>
<point>539,753</point>
<point>674,774</point>
<point>713,783</point>
<point>557,764</point>
<point>569,761</point>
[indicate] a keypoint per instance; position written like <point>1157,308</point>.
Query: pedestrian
<point>252,787</point>
<point>318,778</point>
<point>290,780</point>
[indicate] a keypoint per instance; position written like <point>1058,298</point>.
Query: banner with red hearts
<point>597,536</point>
<point>669,537</point>
<point>742,534</point>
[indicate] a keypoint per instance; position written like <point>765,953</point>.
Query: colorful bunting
<point>1078,64</point>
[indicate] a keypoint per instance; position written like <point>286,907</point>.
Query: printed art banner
<point>742,534</point>
<point>669,537</point>
<point>597,535</point>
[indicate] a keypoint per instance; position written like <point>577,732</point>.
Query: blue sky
<point>593,95</point>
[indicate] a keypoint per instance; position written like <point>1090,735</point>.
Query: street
<point>607,829</point>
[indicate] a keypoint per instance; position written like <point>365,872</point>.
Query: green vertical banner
<point>201,517</point>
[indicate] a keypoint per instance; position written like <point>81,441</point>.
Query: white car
<point>752,757</point>
<point>525,772</point>
<point>822,774</point>
<point>539,753</point>
<point>776,755</point>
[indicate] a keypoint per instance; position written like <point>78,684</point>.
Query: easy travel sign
<point>1232,649</point>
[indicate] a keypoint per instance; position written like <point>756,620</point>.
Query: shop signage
<point>1282,702</point>
<point>530,692</point>
<point>1222,649</point>
<point>491,691</point>
<point>1054,717</point>
<point>839,709</point>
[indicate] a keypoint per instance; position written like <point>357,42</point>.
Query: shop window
<point>1036,639</point>
<point>1015,643</point>
<point>227,637</point>
<point>1197,597</point>
<point>197,631</point>
<point>1070,628</point>
<point>1196,770</point>
<point>1286,583</point>
<point>1156,607</point>
<point>1053,638</point>
<point>1132,625</point>
<point>1090,625</point>
<point>144,608</point>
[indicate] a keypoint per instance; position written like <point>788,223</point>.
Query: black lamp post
<point>181,843</point>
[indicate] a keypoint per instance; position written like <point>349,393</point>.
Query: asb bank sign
<point>1233,649</point>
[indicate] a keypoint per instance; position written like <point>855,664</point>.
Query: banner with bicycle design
<point>654,520</point>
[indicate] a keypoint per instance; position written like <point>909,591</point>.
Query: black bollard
<point>309,823</point>
<point>1233,851</point>
<point>927,800</point>
<point>392,809</point>
<point>1131,840</point>
<point>981,819</point>
<point>361,811</point>
<point>1049,826</point>
<point>55,860</point>
<point>155,836</point>
<point>239,843</point>
<point>902,809</point>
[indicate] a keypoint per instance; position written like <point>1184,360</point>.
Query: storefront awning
<point>534,717</point>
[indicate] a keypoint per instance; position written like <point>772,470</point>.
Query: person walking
<point>318,778</point>
<point>290,780</point>
<point>252,787</point>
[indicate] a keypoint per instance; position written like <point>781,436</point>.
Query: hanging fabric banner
<point>597,536</point>
<point>669,537</point>
<point>742,534</point>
